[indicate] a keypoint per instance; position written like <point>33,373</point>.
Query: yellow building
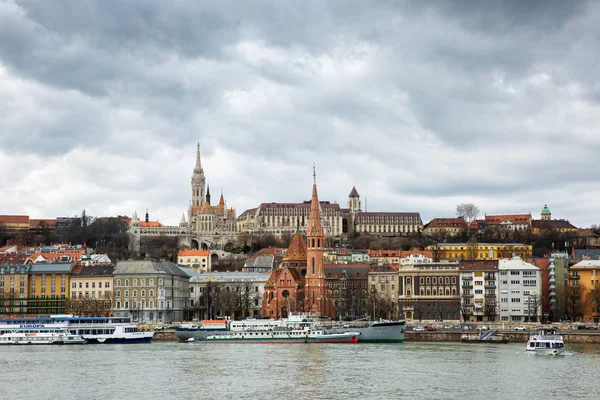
<point>585,286</point>
<point>48,288</point>
<point>14,289</point>
<point>478,251</point>
<point>91,291</point>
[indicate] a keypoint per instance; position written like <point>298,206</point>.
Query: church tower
<point>354,201</point>
<point>546,214</point>
<point>315,274</point>
<point>198,182</point>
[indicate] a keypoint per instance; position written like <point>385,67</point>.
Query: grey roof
<point>148,267</point>
<point>188,271</point>
<point>264,262</point>
<point>587,254</point>
<point>232,276</point>
<point>94,270</point>
<point>44,268</point>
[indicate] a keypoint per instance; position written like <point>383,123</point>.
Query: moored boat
<point>38,335</point>
<point>382,331</point>
<point>283,336</point>
<point>545,341</point>
<point>92,329</point>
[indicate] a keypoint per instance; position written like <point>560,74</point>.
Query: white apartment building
<point>520,286</point>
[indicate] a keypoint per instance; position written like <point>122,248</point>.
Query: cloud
<point>420,105</point>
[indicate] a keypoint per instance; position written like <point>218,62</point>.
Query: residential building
<point>236,295</point>
<point>91,291</point>
<point>198,260</point>
<point>558,285</point>
<point>479,290</point>
<point>383,299</point>
<point>429,291</point>
<point>585,282</point>
<point>150,291</point>
<point>346,290</point>
<point>14,289</point>
<point>445,227</point>
<point>48,288</point>
<point>520,291</point>
<point>478,251</point>
<point>511,222</point>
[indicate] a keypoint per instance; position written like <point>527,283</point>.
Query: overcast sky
<point>420,107</point>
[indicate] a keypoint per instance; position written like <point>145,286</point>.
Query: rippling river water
<point>234,371</point>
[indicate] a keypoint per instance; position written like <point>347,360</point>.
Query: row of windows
<point>87,285</point>
<point>142,282</point>
<point>135,293</point>
<point>435,280</point>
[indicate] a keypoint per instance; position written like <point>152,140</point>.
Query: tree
<point>472,249</point>
<point>469,212</point>
<point>490,309</point>
<point>573,302</point>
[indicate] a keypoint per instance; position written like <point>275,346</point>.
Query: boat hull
<point>112,340</point>
<point>199,334</point>
<point>348,340</point>
<point>379,332</point>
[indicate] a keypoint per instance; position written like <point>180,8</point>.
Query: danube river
<point>239,371</point>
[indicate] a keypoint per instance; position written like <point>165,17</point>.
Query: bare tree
<point>490,309</point>
<point>469,212</point>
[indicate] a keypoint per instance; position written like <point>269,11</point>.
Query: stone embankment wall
<point>165,336</point>
<point>514,336</point>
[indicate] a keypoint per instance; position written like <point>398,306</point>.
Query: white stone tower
<point>198,182</point>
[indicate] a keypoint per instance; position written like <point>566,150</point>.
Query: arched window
<point>408,281</point>
<point>428,292</point>
<point>447,292</point>
<point>434,291</point>
<point>151,281</point>
<point>422,292</point>
<point>453,291</point>
<point>118,282</point>
<point>126,282</point>
<point>135,282</point>
<point>143,281</point>
<point>313,243</point>
<point>313,264</point>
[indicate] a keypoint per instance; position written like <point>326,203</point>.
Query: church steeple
<point>208,194</point>
<point>315,240</point>
<point>198,181</point>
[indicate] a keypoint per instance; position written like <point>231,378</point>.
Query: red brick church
<point>300,283</point>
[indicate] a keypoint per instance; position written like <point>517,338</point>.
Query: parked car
<point>483,328</point>
<point>447,326</point>
<point>429,328</point>
<point>521,328</point>
<point>418,328</point>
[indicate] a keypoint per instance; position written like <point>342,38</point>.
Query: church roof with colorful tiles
<point>296,251</point>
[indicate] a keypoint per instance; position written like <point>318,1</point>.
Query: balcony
<point>467,295</point>
<point>467,278</point>
<point>467,286</point>
<point>574,277</point>
<point>410,308</point>
<point>490,286</point>
<point>490,295</point>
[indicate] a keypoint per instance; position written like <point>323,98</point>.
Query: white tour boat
<point>92,329</point>
<point>284,336</point>
<point>545,341</point>
<point>38,334</point>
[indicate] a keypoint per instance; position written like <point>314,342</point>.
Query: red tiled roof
<point>478,265</point>
<point>149,224</point>
<point>447,223</point>
<point>34,223</point>
<point>514,218</point>
<point>14,219</point>
<point>193,253</point>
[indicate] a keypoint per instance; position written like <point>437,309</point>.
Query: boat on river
<point>545,341</point>
<point>38,335</point>
<point>382,331</point>
<point>200,331</point>
<point>284,336</point>
<point>92,329</point>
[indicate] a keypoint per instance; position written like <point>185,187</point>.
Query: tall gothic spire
<point>208,194</point>
<point>198,164</point>
<point>314,227</point>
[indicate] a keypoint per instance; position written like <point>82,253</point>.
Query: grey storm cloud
<point>421,105</point>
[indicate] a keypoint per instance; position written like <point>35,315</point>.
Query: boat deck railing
<point>546,337</point>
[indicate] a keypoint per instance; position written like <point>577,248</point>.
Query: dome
<point>296,249</point>
<point>545,210</point>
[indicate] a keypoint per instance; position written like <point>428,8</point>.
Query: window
<point>503,272</point>
<point>74,285</point>
<point>515,272</point>
<point>504,300</point>
<point>515,282</point>
<point>93,285</point>
<point>513,300</point>
<point>99,285</point>
<point>126,282</point>
<point>118,282</point>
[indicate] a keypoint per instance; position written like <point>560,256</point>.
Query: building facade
<point>198,260</point>
<point>478,251</point>
<point>91,291</point>
<point>429,291</point>
<point>520,291</point>
<point>585,288</point>
<point>150,291</point>
<point>235,295</point>
<point>14,289</point>
<point>445,227</point>
<point>48,288</point>
<point>479,290</point>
